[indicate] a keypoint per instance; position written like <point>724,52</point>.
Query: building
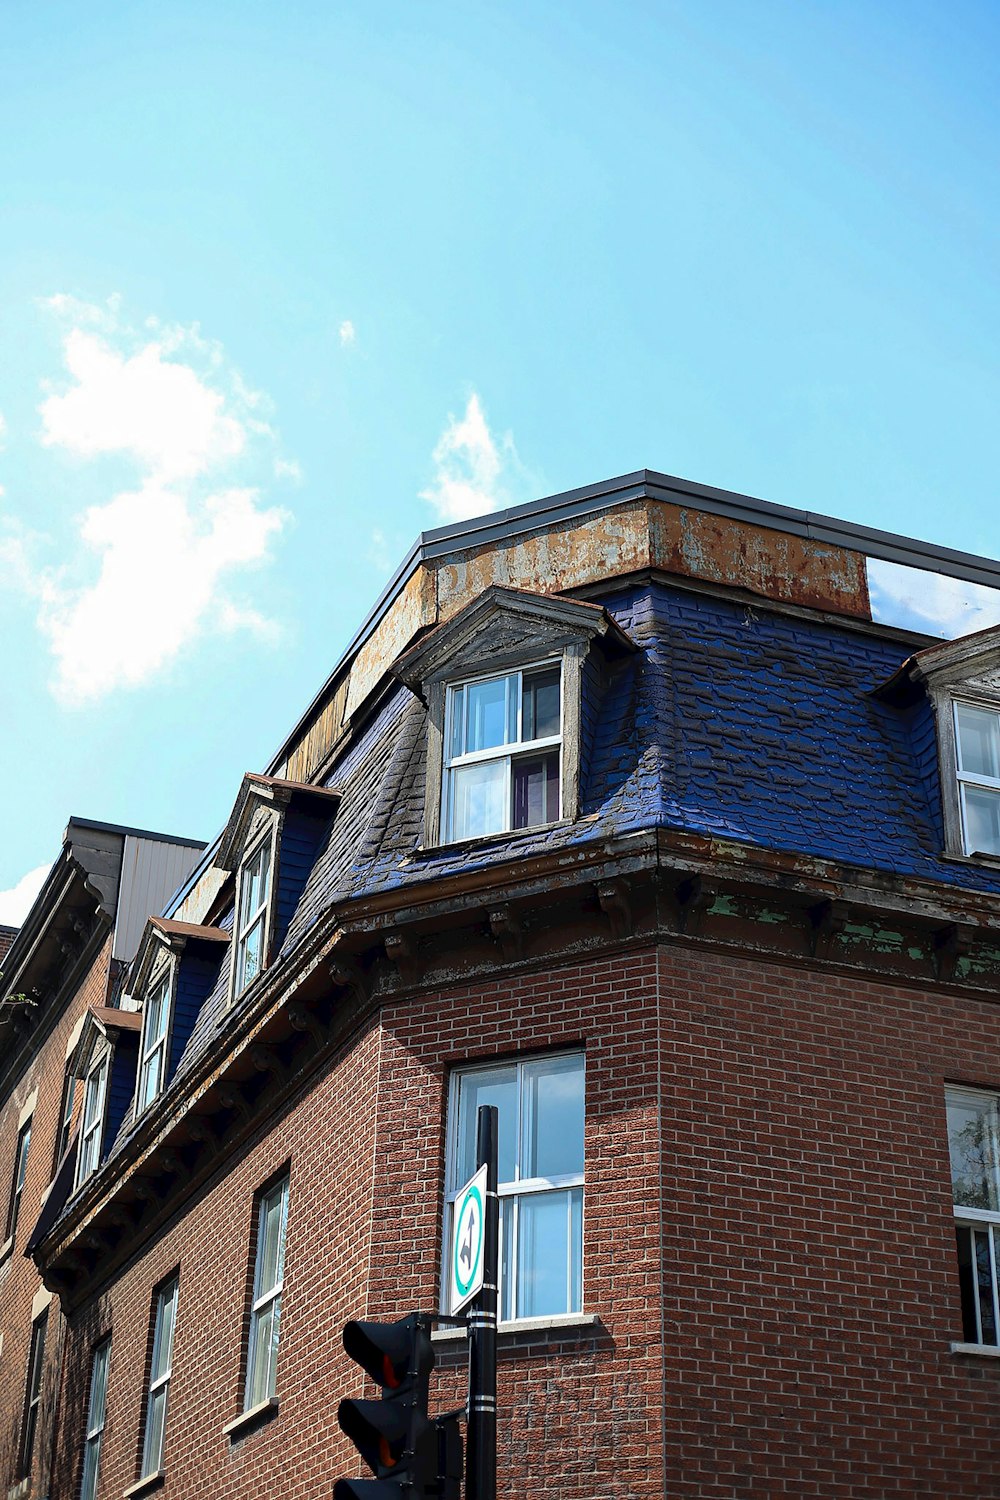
<point>58,979</point>
<point>620,812</point>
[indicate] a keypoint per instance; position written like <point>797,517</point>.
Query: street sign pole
<point>481,1446</point>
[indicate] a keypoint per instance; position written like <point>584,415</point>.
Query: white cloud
<point>930,602</point>
<point>473,470</point>
<point>150,568</point>
<point>347,332</point>
<point>17,901</point>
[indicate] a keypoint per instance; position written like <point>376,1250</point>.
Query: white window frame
<point>518,749</point>
<point>983,1219</point>
<point>511,1193</point>
<point>158,1049</point>
<point>971,778</point>
<point>97,1077</point>
<point>261,914</point>
<point>90,1473</point>
<point>159,1378</point>
<point>266,1299</point>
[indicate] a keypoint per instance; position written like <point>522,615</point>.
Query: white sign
<point>468,1241</point>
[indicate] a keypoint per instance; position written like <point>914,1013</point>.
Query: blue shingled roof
<point>732,721</point>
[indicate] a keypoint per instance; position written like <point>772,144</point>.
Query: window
<point>977,740</point>
<point>165,1316</point>
<point>17,1185</point>
<point>95,1420</point>
<point>95,1093</point>
<point>65,1115</point>
<point>33,1393</point>
<point>540,1176</point>
<point>268,1281</point>
<point>251,928</point>
<point>502,756</point>
<point>154,1044</point>
<point>974,1147</point>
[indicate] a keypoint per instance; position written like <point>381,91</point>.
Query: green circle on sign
<point>464,1284</point>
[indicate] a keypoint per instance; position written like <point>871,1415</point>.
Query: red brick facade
<point>768,1248</point>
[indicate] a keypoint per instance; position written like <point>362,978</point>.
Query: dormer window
<point>255,882</point>
<point>504,738</point>
<point>154,1043</point>
<point>977,737</point>
<point>505,747</point>
<point>95,1095</point>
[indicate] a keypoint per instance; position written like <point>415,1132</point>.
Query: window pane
<point>271,1241</point>
<point>540,713</point>
<point>479,803</point>
<point>543,1254</point>
<point>507,1215</point>
<point>978,740</point>
<point>152,1455</point>
<point>536,790</point>
<point>984,1284</point>
<point>163,1341</point>
<point>552,1129</point>
<point>91,1456</point>
<point>491,1086</point>
<point>457,721</point>
<point>972,1143</point>
<point>93,1106</point>
<point>487,712</point>
<point>982,819</point>
<point>149,1083</point>
<point>255,883</point>
<point>250,951</point>
<point>966,1282</point>
<point>98,1388</point>
<point>156,1015</point>
<point>261,1382</point>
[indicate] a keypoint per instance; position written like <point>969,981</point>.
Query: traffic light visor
<point>383,1350</point>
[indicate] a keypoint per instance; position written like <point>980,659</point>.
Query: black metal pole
<point>481,1447</point>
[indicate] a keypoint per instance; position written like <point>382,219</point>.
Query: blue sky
<point>283,285</point>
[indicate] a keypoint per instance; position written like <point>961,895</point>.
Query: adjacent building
<point>621,813</point>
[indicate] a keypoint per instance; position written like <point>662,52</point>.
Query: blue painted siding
<point>302,836</point>
<point>197,974</point>
<point>121,1086</point>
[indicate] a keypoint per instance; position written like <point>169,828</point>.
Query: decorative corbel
<point>693,898</point>
<point>300,1018</point>
<point>232,1097</point>
<point>346,974</point>
<point>201,1132</point>
<point>951,943</point>
<point>508,932</point>
<point>169,1162</point>
<point>827,920</point>
<point>401,950</point>
<point>614,900</point>
<point>265,1059</point>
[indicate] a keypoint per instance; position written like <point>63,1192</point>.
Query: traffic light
<point>395,1436</point>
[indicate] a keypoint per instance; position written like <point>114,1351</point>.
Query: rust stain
<point>770,563</point>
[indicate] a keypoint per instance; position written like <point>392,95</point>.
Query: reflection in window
<point>154,1043</point>
<point>17,1186</point>
<point>252,924</point>
<point>973,1139</point>
<point>540,1106</point>
<point>165,1316</point>
<point>268,1283</point>
<point>95,1092</point>
<point>95,1420</point>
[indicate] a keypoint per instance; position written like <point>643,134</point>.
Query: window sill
<point>254,1416</point>
<point>985,1351</point>
<point>483,841</point>
<point>552,1324</point>
<point>5,1249</point>
<point>146,1485</point>
<point>979,861</point>
<point>20,1489</point>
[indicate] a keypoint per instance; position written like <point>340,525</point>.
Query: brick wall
<point>768,1248</point>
